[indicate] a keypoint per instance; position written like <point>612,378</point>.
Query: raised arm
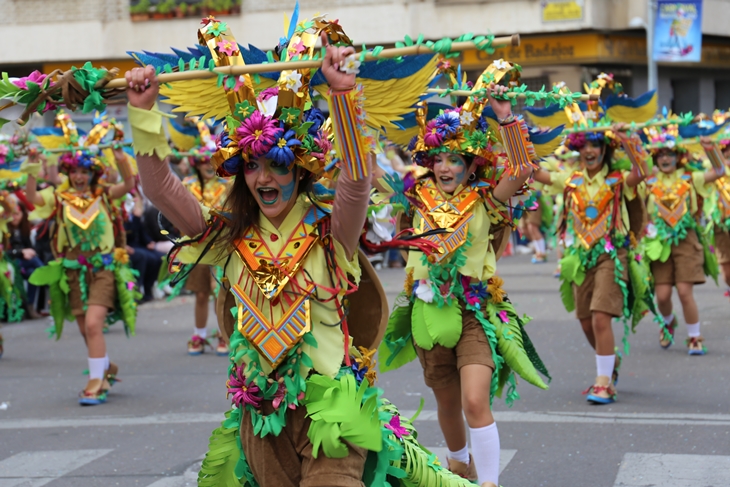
<point>164,190</point>
<point>350,209</point>
<point>637,155</point>
<point>120,189</point>
<point>32,167</point>
<point>716,158</point>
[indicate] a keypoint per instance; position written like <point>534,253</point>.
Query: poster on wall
<point>678,31</point>
<point>560,10</point>
<point>141,10</point>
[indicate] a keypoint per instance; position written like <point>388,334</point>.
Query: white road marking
<point>656,469</point>
<point>646,419</point>
<point>505,456</point>
<point>34,469</point>
<point>187,479</point>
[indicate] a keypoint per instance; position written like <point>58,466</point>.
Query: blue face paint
<point>288,189</point>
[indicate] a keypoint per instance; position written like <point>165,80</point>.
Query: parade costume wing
<point>184,137</point>
<point>552,116</point>
<point>52,137</point>
<point>628,110</point>
<point>200,97</point>
<point>392,88</point>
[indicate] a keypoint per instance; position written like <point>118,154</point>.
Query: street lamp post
<point>651,63</point>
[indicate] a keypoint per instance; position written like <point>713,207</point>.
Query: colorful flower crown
<point>470,129</point>
<point>81,149</point>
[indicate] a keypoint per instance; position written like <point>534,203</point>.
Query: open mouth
<point>445,180</point>
<point>268,196</point>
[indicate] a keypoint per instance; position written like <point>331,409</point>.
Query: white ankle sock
<point>605,364</point>
<point>461,455</point>
<point>201,332</point>
<point>693,330</point>
<point>668,319</point>
<point>96,368</point>
<point>540,246</point>
<point>485,450</point>
<point>106,362</point>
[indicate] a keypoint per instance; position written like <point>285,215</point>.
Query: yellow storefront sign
<point>564,49</point>
<point>554,11</point>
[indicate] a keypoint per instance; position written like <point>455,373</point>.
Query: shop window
<point>722,94</point>
<point>685,95</point>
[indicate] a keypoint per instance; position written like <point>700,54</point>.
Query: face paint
<point>273,185</point>
<point>667,161</point>
<point>449,172</point>
<point>591,155</point>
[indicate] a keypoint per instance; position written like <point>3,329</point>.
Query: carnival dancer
<point>599,272</point>
<point>453,314</point>
<point>90,277</point>
<point>535,224</point>
<point>719,212</point>
<point>304,411</point>
<point>674,242</point>
<point>195,140</point>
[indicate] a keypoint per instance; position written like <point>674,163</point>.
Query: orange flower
<point>120,255</point>
<point>494,288</point>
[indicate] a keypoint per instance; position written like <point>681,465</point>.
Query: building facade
<point>570,41</point>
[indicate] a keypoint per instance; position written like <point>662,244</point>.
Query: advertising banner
<point>678,31</point>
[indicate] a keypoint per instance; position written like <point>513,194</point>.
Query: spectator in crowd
<point>141,249</point>
<point>20,248</point>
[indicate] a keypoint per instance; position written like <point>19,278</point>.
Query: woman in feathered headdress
<point>674,242</point>
<point>599,235</point>
<point>90,277</point>
<point>453,314</point>
<point>304,411</point>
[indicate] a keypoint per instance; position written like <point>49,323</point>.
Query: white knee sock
<point>201,332</point>
<point>693,330</point>
<point>461,455</point>
<point>106,362</point>
<point>668,319</point>
<point>605,364</point>
<point>485,450</point>
<point>96,368</point>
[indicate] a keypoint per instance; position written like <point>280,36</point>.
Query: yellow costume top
<point>673,195</point>
<point>214,190</point>
<point>83,219</point>
<point>288,303</point>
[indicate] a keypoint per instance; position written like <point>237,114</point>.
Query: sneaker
<point>539,258</point>
<point>222,348</point>
<point>196,345</point>
<point>469,472</point>
<point>602,392</point>
<point>695,346</point>
<point>93,393</point>
<point>666,334</point>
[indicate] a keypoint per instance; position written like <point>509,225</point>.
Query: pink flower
<point>325,146</point>
<point>227,47</point>
<point>432,137</point>
<point>394,426</point>
<point>243,393</point>
<point>130,285</point>
<point>35,77</point>
<point>268,93</point>
<point>503,316</point>
<point>279,396</point>
<point>257,134</point>
<point>637,257</point>
<point>609,247</point>
<point>445,289</point>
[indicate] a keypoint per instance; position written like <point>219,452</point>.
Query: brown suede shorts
<point>685,263</point>
<point>199,280</point>
<point>101,286</point>
<point>722,247</point>
<point>599,291</point>
<point>534,216</point>
<point>441,365</point>
<point>286,460</point>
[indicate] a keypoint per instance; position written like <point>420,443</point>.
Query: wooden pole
<point>437,91</point>
<point>513,40</point>
<point>60,150</point>
<point>626,128</point>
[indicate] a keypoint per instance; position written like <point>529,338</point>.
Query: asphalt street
<point>670,426</point>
